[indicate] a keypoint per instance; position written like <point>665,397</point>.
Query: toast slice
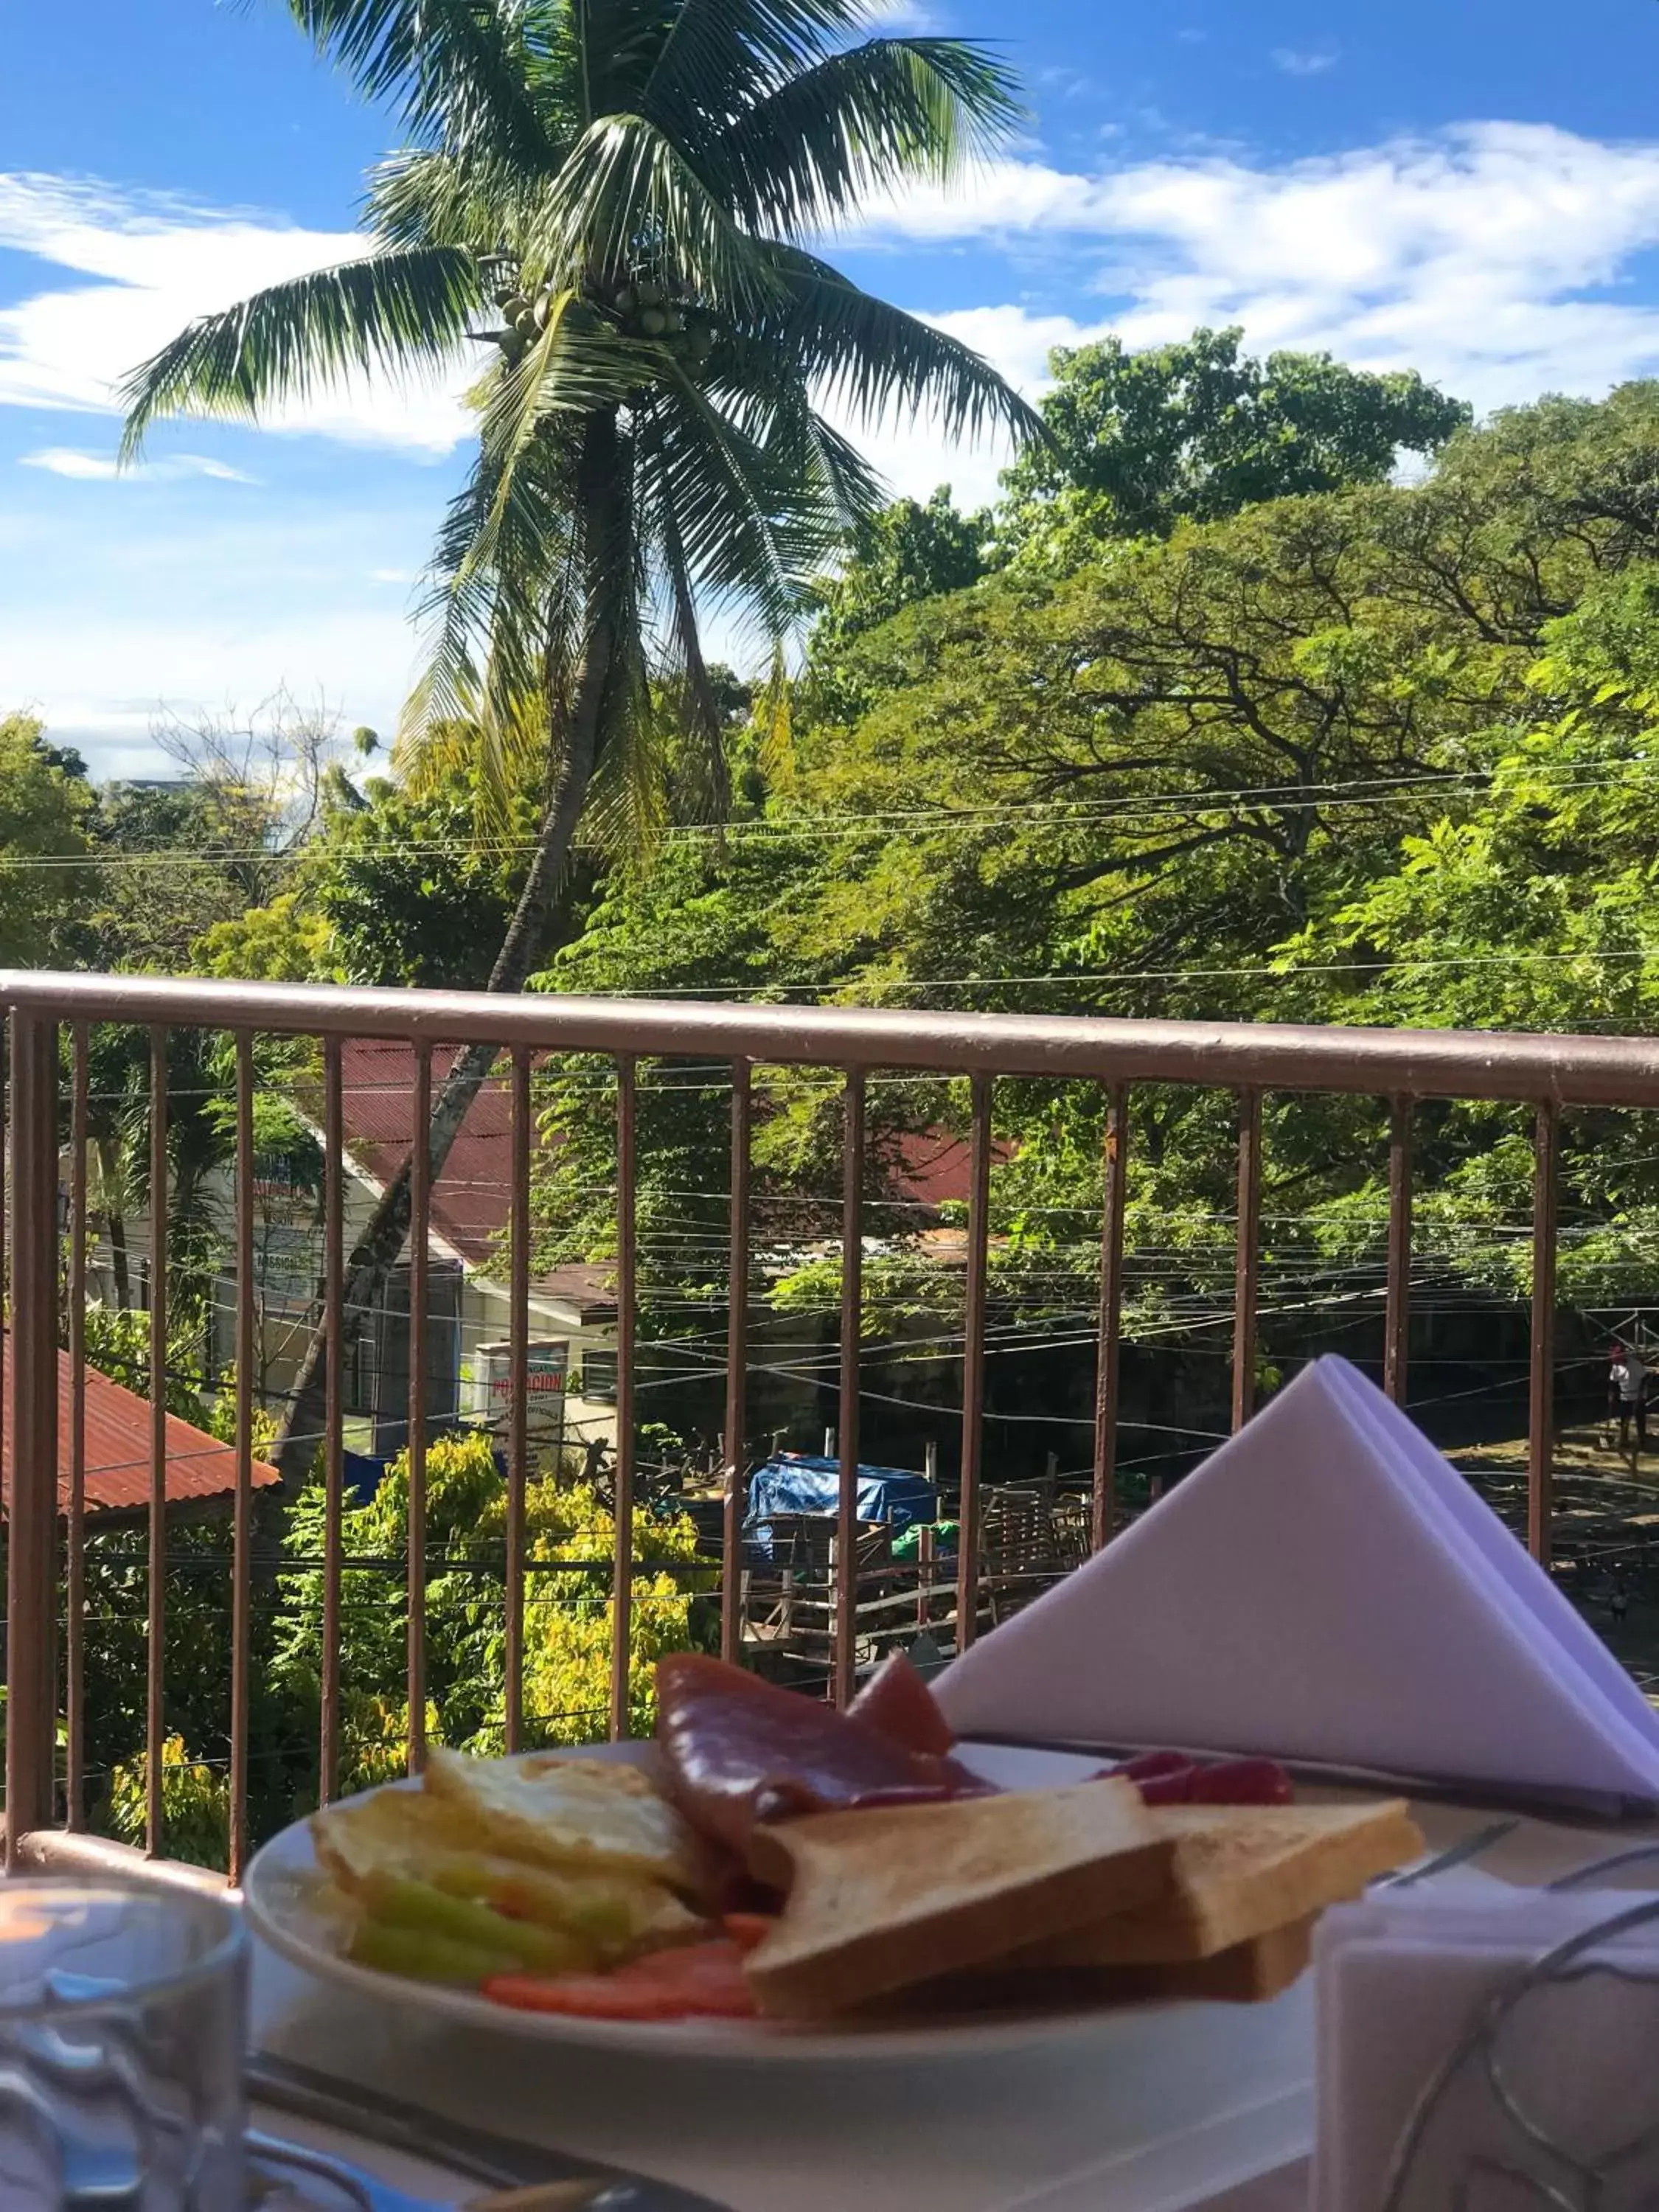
<point>1240,1872</point>
<point>880,1900</point>
<point>1244,1973</point>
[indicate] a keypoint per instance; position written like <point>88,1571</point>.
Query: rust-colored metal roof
<point>471,1200</point>
<point>199,1467</point>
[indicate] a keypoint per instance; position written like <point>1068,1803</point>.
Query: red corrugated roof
<point>118,1448</point>
<point>471,1198</point>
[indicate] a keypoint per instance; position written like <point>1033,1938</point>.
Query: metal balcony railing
<point>51,1017</point>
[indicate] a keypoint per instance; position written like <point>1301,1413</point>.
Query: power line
<point>1237,799</point>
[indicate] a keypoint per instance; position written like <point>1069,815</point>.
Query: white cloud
<point>104,468</point>
<point>155,263</point>
<point>911,16</point>
<point>1296,61</point>
<point>1497,257</point>
<point>1484,257</point>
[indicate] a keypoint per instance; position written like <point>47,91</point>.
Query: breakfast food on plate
<point>563,1812</point>
<point>458,1882</point>
<point>886,1873</point>
<point>1175,1777</point>
<point>738,1751</point>
<point>880,1900</point>
<point>898,1704</point>
<point>1244,1973</point>
<point>1240,1871</point>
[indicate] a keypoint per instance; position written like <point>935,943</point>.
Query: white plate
<point>284,1895</point>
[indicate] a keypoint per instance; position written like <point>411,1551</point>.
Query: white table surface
<point>1163,2112</point>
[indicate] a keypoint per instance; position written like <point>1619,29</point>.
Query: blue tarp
<point>796,1483</point>
<point>363,1475</point>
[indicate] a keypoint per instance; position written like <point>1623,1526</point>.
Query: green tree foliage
<point>45,805</point>
<point>567,1616</point>
<point>1195,431</point>
<point>635,203</point>
<point>906,552</point>
<point>194,1805</point>
<point>408,892</point>
<point>1365,756</point>
<point>181,858</point>
<point>638,200</point>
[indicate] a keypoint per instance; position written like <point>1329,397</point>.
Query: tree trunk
<point>602,494</point>
<point>108,1170</point>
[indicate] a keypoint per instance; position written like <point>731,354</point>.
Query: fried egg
<point>572,1814</point>
<point>415,1835</point>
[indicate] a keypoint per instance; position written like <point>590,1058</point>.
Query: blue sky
<point>1464,187</point>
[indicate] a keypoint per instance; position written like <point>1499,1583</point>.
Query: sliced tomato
<point>593,1997</point>
<point>746,1929</point>
<point>694,1980</point>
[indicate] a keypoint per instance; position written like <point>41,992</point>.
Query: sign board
<point>547,1369</point>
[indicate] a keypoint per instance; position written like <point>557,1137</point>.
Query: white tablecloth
<point>1167,2112</point>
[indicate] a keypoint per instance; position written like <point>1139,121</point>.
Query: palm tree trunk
<point>603,495</point>
<point>108,1170</point>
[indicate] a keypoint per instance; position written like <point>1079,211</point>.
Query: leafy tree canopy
<point>903,553</point>
<point>1138,442</point>
<point>45,805</point>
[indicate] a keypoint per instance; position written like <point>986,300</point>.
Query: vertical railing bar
<point>973,1362</point>
<point>241,1597</point>
<point>32,1565</point>
<point>735,1451</point>
<point>1247,1261</point>
<point>419,1247</point>
<point>846,1438</point>
<point>334,1410</point>
<point>1396,1340</point>
<point>155,1688</point>
<point>75,1594</point>
<point>621,1567</point>
<point>518,1435</point>
<point>8,1028</point>
<point>1540,1439</point>
<point>1103,1500</point>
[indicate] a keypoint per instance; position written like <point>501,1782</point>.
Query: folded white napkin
<point>1401,1984</point>
<point>1327,1588</point>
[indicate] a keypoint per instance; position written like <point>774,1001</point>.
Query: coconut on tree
<point>631,188</point>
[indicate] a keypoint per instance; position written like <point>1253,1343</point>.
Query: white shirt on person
<point>1629,1375</point>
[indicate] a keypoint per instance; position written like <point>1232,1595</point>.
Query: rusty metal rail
<point>46,1531</point>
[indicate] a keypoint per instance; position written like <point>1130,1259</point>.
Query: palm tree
<point>633,185</point>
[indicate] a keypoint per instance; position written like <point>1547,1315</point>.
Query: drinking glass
<point>122,2016</point>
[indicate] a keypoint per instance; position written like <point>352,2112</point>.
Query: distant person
<point>1627,1379</point>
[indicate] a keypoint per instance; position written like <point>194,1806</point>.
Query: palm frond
<point>503,626</point>
<point>456,67</point>
<point>394,311</point>
<point>877,361</point>
<point>579,366</point>
<point>735,512</point>
<point>762,388</point>
<point>429,195</point>
<point>887,114</point>
<point>714,53</point>
<point>709,783</point>
<point>626,193</point>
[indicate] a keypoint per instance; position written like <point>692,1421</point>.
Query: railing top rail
<point>1582,1071</point>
